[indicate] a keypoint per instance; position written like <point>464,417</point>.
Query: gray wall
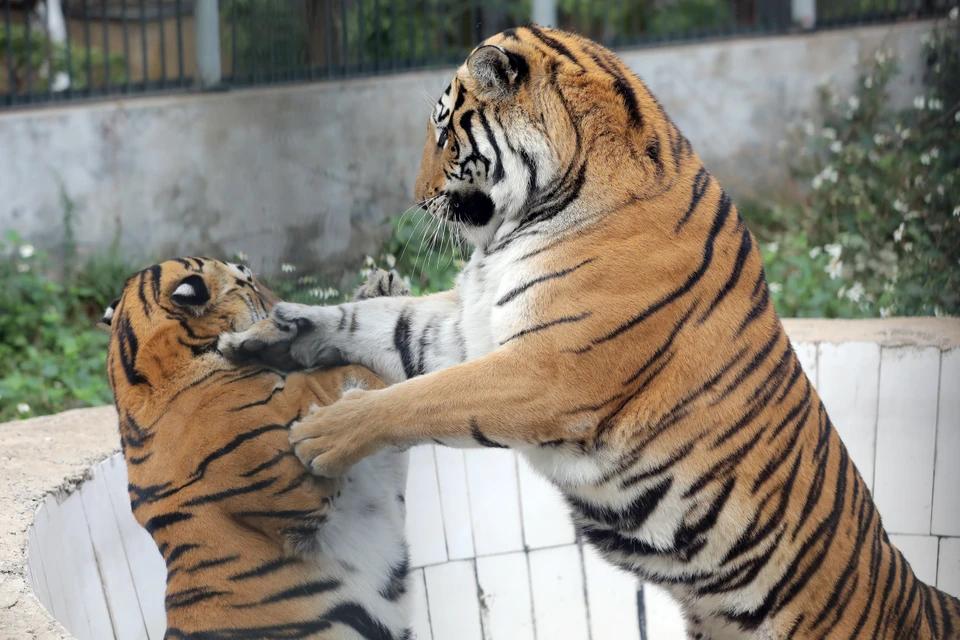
<point>307,174</point>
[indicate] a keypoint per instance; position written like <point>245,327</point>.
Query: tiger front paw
<point>293,337</point>
<point>381,284</point>
<point>329,440</point>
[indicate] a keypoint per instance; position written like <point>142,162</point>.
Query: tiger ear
<point>107,319</point>
<point>496,71</point>
<point>191,292</point>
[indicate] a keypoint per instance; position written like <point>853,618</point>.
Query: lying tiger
<point>255,546</point>
<point>614,325</point>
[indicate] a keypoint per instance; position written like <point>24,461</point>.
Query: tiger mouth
<point>472,208</point>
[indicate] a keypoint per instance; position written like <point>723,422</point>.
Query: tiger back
<point>255,546</point>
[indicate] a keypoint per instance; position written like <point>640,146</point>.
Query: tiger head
<point>172,313</point>
<point>533,120</point>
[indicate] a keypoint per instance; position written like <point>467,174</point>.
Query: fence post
<point>207,20</point>
<point>804,13</point>
<point>544,13</point>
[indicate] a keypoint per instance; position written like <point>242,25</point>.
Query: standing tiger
<point>614,325</point>
<point>255,546</point>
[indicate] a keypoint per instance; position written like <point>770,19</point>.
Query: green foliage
<point>36,59</point>
<point>51,356</point>
<point>884,197</point>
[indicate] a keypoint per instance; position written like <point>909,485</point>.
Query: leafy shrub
<point>51,357</point>
<point>878,233</point>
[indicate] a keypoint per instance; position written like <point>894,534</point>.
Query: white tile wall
<point>948,570</point>
<point>849,386</point>
<point>559,606</point>
<point>946,479</point>
<point>906,437</point>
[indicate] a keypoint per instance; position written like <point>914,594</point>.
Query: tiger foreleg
<point>504,399</point>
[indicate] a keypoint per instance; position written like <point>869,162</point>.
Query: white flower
<point>829,133</point>
<point>286,267</point>
<point>829,173</point>
<point>925,159</point>
<point>888,287</point>
<point>331,293</point>
<point>868,82</point>
<point>391,260</point>
<point>928,198</point>
<point>316,293</point>
<point>898,234</point>
<point>775,287</point>
<point>26,251</point>
<point>885,312</point>
<point>905,133</point>
<point>835,250</point>
<point>908,246</point>
<point>853,102</point>
<point>773,247</point>
<point>920,102</point>
<point>879,139</point>
<point>22,267</point>
<point>918,180</point>
<point>23,407</point>
<point>368,261</point>
<point>880,56</point>
<point>940,189</point>
<point>911,215</point>
<point>900,206</point>
<point>815,253</point>
<point>836,146</point>
<point>935,104</point>
<point>935,152</point>
<point>956,116</point>
<point>874,157</point>
<point>406,281</point>
<point>855,292</point>
<point>926,39</point>
<point>809,129</point>
<point>834,269</point>
<point>365,273</point>
<point>954,13</point>
<point>817,182</point>
<point>956,211</point>
<point>938,312</point>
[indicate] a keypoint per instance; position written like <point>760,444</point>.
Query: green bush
<point>878,232</point>
<point>51,357</point>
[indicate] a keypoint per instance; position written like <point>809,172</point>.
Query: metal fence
<point>62,50</point>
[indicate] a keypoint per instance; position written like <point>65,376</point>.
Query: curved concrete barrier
<point>489,539</point>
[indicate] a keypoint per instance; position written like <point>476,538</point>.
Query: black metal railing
<point>62,50</point>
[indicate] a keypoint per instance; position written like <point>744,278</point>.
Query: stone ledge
<point>39,457</point>
<point>891,332</point>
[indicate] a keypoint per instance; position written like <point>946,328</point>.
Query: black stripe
<point>293,593</point>
<point>498,157</point>
<point>547,325</point>
<point>128,346</point>
<point>265,569</point>
<point>296,482</point>
<point>269,463</point>
<point>513,293</point>
<point>190,597</point>
<point>214,562</point>
<point>632,515</point>
<point>355,616</point>
<point>700,183</point>
<point>397,581</point>
<point>401,341</point>
<point>178,551</point>
<point>481,439</point>
<point>162,521</point>
<point>226,494</point>
<point>260,403</point>
<point>233,444</point>
<point>723,211</point>
<point>746,244</point>
<point>554,44</point>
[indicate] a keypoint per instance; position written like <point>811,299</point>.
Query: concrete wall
<point>307,174</point>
